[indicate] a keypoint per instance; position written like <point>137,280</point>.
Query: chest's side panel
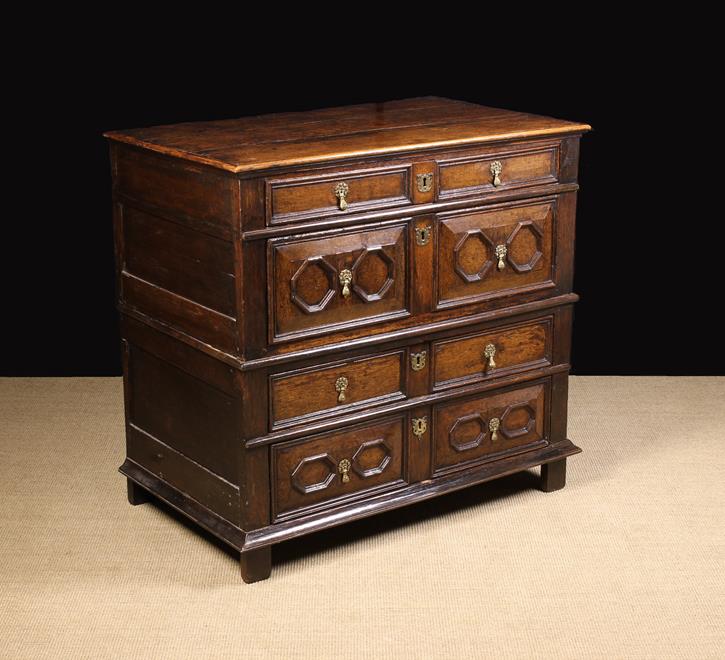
<point>175,226</point>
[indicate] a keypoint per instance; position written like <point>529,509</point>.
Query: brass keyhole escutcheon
<point>345,280</point>
<point>343,467</point>
<point>489,352</point>
<point>493,426</point>
<point>420,426</point>
<point>417,361</point>
<point>425,181</point>
<point>341,388</point>
<point>501,251</point>
<point>422,235</point>
<point>496,169</point>
<point>341,190</point>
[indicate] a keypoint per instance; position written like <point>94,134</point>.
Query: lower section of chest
<point>265,455</point>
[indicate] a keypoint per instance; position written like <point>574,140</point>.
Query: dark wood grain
<point>224,530</point>
<point>256,565</point>
<point>184,412</point>
<point>200,196</point>
<point>313,196</point>
<point>188,263</point>
<point>298,395</point>
<point>306,473</point>
<point>412,494</point>
<point>230,245</point>
<point>553,476</point>
<point>251,144</point>
<point>253,462</point>
<point>181,355</point>
<point>184,474</point>
<point>472,174</point>
<point>467,265</point>
<point>136,494</point>
<point>171,309</point>
<point>463,436</point>
<point>371,412</point>
<point>308,294</point>
<point>462,360</point>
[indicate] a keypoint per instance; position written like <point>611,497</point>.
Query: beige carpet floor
<point>627,562</point>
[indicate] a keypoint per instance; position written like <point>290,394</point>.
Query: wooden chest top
<point>251,144</point>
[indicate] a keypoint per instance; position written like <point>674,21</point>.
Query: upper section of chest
<point>342,222</point>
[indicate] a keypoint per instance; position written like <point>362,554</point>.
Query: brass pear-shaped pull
<point>341,388</point>
<point>341,190</point>
<point>489,352</point>
<point>501,251</point>
<point>493,426</point>
<point>345,280</point>
<point>343,467</point>
<point>496,169</point>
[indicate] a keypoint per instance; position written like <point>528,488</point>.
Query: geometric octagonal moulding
<point>315,278</point>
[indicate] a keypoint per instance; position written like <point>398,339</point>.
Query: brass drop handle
<point>501,251</point>
<point>343,467</point>
<point>341,190</point>
<point>493,426</point>
<point>341,388</point>
<point>489,352</point>
<point>345,280</point>
<point>496,169</point>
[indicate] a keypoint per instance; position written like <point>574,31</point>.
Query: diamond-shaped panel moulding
<point>366,447</point>
<point>328,272</point>
<point>298,473</point>
<point>485,241</point>
<point>518,430</point>
<point>531,227</point>
<point>475,419</point>
<point>367,255</point>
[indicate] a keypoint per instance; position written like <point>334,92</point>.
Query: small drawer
<point>325,390</point>
<point>340,193</point>
<point>336,467</point>
<point>479,174</point>
<point>490,354</point>
<point>489,426</point>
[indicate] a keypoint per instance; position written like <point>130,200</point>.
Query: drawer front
<point>485,355</point>
<point>336,388</point>
<point>489,426</point>
<point>477,175</point>
<point>299,198</point>
<point>336,467</point>
<point>495,252</point>
<point>322,284</point>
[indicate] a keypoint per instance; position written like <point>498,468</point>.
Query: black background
<point>648,261</point>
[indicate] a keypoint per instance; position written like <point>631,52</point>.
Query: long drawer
<point>490,252</point>
<point>489,426</point>
<point>332,283</point>
<point>336,467</point>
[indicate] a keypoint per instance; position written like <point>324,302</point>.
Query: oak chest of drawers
<point>330,314</point>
